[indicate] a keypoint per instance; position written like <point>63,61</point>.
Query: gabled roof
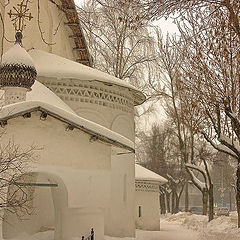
<point>98,132</point>
<point>144,174</point>
<point>69,8</point>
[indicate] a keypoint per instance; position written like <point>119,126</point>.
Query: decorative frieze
<point>146,186</point>
<point>87,92</point>
<point>14,95</point>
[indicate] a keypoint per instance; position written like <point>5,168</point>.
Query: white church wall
<point>120,216</point>
<point>147,210</point>
<point>74,148</point>
<point>83,166</point>
<point>110,106</point>
<point>53,29</point>
<point>124,125</point>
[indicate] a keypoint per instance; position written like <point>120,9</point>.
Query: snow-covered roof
<point>99,132</point>
<point>17,55</point>
<point>142,173</point>
<point>50,65</point>
<point>43,94</point>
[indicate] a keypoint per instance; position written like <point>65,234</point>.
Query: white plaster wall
<point>78,222</point>
<point>84,167</point>
<point>55,32</point>
<point>73,148</point>
<point>120,216</point>
<point>115,120</point>
<point>150,208</point>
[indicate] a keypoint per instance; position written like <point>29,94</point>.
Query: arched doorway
<point>48,199</point>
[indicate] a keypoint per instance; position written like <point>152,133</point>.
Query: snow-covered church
<point>81,118</point>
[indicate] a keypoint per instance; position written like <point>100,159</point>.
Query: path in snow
<point>169,231</point>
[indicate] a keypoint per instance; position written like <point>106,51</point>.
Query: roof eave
<point>91,132</point>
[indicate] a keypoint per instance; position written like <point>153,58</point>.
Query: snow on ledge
<point>43,94</point>
<point>142,173</point>
<point>85,125</point>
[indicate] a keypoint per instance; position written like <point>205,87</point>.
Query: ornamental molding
<point>17,75</point>
<point>14,96</point>
<point>146,186</point>
<point>89,93</point>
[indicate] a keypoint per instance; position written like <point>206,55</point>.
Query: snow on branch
<point>229,141</point>
<point>195,167</point>
<point>200,185</point>
<point>220,147</point>
<point>170,178</point>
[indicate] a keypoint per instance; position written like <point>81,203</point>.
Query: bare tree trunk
<point>205,200</point>
<point>186,194</point>
<point>211,203</point>
<point>168,202</point>
<point>230,199</point>
<point>173,202</point>
<point>177,203</point>
<point>238,192</point>
<point>162,203</point>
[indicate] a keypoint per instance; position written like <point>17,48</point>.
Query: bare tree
<point>167,86</point>
<point>162,156</point>
<point>118,38</point>
<point>178,8</point>
<point>15,196</point>
<point>224,179</point>
<point>210,68</point>
<point>202,167</point>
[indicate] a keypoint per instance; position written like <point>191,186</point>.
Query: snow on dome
<point>50,65</point>
<point>142,173</point>
<point>43,94</point>
<point>17,55</point>
<point>17,68</point>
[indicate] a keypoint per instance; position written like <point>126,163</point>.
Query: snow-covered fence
<point>90,237</point>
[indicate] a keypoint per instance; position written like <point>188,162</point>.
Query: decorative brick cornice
<point>69,8</point>
<point>146,186</point>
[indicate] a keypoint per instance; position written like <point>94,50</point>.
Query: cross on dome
<point>17,71</point>
<point>19,16</point>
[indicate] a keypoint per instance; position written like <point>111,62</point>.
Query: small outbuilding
<point>147,198</point>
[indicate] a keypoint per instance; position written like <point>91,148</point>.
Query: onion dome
<point>17,68</point>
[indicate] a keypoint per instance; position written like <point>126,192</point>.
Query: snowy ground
<point>181,226</point>
<point>185,226</point>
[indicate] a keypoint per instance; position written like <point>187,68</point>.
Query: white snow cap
<point>142,173</point>
<point>17,55</point>
<point>53,66</point>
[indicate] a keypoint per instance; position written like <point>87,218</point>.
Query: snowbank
<point>179,217</point>
<point>196,222</point>
<point>221,228</point>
